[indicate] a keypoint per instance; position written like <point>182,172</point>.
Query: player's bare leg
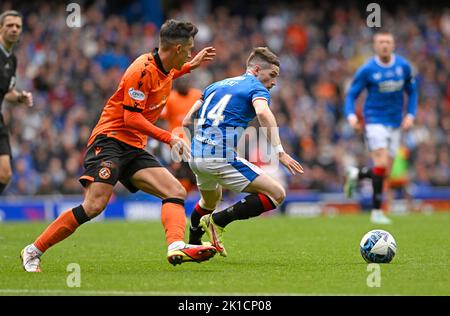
<point>209,199</point>
<point>5,171</point>
<point>96,198</point>
<point>160,182</point>
<point>382,162</point>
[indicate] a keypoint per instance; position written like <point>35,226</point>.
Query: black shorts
<point>5,147</point>
<point>109,160</point>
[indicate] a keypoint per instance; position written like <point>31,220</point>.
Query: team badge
<point>104,173</point>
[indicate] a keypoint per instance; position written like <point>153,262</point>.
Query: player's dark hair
<point>9,13</point>
<point>176,32</point>
<point>262,56</point>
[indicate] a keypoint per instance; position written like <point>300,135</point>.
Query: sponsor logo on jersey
<point>136,94</point>
<point>390,85</point>
<point>205,140</point>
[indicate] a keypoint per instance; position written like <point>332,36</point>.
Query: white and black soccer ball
<point>378,246</point>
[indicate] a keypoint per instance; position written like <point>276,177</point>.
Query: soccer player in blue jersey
<point>225,110</point>
<point>386,77</point>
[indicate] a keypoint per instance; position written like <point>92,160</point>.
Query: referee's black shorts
<point>5,147</point>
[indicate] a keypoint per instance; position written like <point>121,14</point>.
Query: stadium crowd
<point>73,71</point>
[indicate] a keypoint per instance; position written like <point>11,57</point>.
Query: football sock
<point>195,232</point>
<point>61,228</point>
<point>173,218</point>
<point>377,185</point>
<point>365,172</point>
<point>250,206</point>
<point>2,187</point>
<point>197,213</point>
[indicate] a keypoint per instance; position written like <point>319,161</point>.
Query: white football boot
<point>30,257</point>
<point>377,217</point>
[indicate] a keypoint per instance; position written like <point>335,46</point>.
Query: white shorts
<point>234,175</point>
<point>380,136</point>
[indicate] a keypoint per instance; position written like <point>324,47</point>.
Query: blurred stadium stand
<point>73,71</point>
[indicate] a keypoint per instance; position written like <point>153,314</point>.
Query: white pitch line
<point>158,293</point>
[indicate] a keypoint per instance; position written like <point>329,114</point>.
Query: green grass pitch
<point>266,256</point>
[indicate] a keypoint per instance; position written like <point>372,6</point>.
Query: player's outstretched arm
<point>137,121</point>
<point>267,119</point>
<point>206,54</point>
<point>188,120</point>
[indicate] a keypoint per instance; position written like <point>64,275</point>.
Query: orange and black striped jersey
<point>144,88</point>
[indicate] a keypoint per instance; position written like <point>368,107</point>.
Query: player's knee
<point>178,192</point>
<point>5,175</point>
<point>94,208</point>
<point>279,195</point>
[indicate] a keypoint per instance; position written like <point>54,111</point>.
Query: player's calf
<point>251,206</point>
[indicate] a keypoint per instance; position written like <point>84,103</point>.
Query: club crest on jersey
<point>136,94</point>
<point>104,173</point>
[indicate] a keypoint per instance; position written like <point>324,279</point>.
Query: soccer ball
<point>378,246</point>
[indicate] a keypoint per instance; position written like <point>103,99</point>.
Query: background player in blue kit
<point>225,110</point>
<point>386,77</point>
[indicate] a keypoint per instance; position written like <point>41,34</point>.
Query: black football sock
<point>377,185</point>
<point>197,213</point>
<point>365,172</point>
<point>195,232</point>
<point>250,206</point>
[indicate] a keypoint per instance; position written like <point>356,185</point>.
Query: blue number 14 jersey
<point>225,113</point>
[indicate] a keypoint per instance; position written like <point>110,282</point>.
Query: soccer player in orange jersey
<point>116,148</point>
<point>180,101</point>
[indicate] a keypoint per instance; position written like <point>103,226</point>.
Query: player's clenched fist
<point>179,147</point>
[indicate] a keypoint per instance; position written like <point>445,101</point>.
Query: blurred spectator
<point>181,99</point>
